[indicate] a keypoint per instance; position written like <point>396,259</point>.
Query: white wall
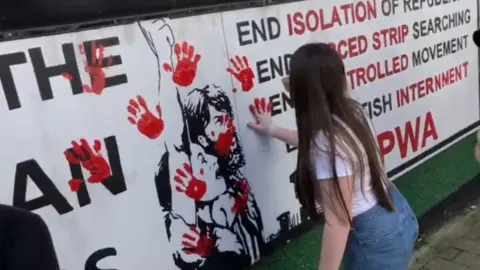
<point>138,211</point>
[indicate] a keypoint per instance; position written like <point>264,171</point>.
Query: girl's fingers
<point>254,112</point>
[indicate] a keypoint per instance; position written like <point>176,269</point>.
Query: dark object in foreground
<point>476,37</point>
<point>25,241</point>
<point>24,14</point>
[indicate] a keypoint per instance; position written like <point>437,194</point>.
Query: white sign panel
<point>131,141</point>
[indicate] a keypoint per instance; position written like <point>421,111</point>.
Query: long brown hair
<point>318,90</point>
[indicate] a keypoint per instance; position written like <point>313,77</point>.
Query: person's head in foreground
<point>319,92</point>
<point>369,224</point>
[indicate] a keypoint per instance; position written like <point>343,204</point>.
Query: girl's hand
<point>262,112</point>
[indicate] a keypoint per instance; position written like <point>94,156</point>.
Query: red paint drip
<point>67,76</point>
<point>95,70</point>
<point>75,184</point>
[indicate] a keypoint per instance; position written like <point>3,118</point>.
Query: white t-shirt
<point>362,201</point>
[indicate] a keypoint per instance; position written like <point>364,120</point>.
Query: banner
<point>131,140</point>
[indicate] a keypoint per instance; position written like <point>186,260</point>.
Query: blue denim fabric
<point>382,240</point>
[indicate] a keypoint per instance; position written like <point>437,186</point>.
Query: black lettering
<point>262,71</point>
<point>286,58</point>
<point>276,104</point>
<point>109,61</point>
<point>407,6</point>
<point>277,68</point>
<point>378,106</point>
<point>44,73</point>
<point>51,195</point>
<point>115,184</point>
<point>290,148</point>
<point>259,30</point>
<point>286,101</point>
<point>97,256</point>
<point>413,5</point>
<point>250,32</point>
<point>439,50</point>
<point>274,29</point>
<point>439,24</point>
<point>281,102</point>
<point>8,84</point>
<point>243,33</point>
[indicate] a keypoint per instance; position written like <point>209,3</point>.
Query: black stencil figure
<point>212,219</point>
<point>228,229</point>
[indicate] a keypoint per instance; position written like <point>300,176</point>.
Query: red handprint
<point>187,62</point>
<point>260,106</point>
<point>243,72</point>
<point>225,139</point>
<point>147,123</point>
<point>194,242</point>
<point>241,197</point>
<point>91,160</point>
<point>95,69</point>
<point>185,182</point>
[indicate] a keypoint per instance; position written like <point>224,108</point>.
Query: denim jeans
<point>382,240</point>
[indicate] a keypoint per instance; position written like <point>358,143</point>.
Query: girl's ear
<point>286,83</point>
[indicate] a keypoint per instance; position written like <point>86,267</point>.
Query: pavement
<point>455,246</point>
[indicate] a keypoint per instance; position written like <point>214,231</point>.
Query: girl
<point>368,222</point>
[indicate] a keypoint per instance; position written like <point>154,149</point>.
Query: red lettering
<point>386,142</point>
<point>431,85</point>
<point>408,136</point>
<point>351,47</point>
<point>429,129</point>
<point>413,135</point>
<point>322,19</point>
<point>389,36</point>
<point>376,71</point>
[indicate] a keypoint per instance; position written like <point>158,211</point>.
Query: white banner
<point>131,141</point>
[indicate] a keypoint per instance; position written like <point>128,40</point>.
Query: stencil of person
<point>220,225</point>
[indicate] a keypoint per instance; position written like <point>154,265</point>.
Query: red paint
<point>225,139</point>
<point>167,67</point>
<point>212,133</point>
<point>234,90</point>
<point>147,123</point>
<point>243,72</point>
<point>75,184</point>
<point>260,106</point>
<point>95,70</point>
<point>67,76</point>
<point>186,182</point>
<point>187,63</point>
<point>203,246</point>
<point>90,159</point>
<point>81,49</point>
<point>413,135</point>
<point>241,198</point>
<point>202,171</point>
<point>316,20</point>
